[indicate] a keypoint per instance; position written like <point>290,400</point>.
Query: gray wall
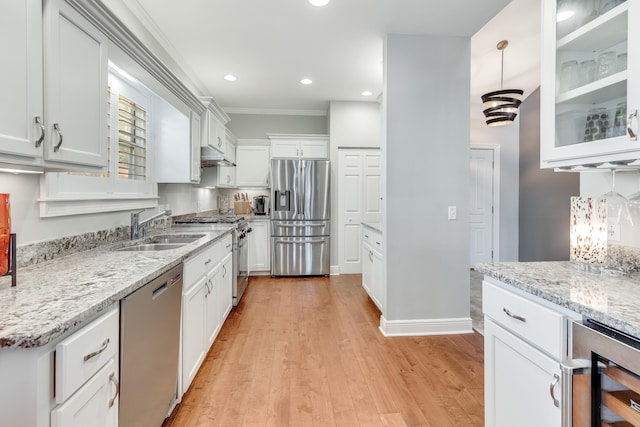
<point>257,126</point>
<point>544,194</point>
<point>426,155</point>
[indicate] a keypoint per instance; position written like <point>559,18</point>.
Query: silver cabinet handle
<point>552,387</point>
<point>114,380</point>
<point>228,246</point>
<point>219,141</point>
<point>513,316</point>
<point>378,243</point>
<point>370,256</point>
<point>102,348</point>
<point>366,235</point>
<point>632,135</point>
<point>56,126</point>
<point>224,271</point>
<point>42,131</point>
<point>207,262</point>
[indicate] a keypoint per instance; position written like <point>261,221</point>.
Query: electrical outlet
<point>452,212</point>
<point>613,232</point>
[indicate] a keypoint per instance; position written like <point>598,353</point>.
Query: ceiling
<point>271,45</point>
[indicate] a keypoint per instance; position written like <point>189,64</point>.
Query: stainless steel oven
<point>601,384</point>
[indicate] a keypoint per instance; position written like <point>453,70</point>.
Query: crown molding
<point>274,111</point>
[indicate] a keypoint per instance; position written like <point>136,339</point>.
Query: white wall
<point>257,126</point>
<point>186,198</point>
<point>426,157</point>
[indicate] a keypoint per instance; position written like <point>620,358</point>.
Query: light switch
<point>452,214</point>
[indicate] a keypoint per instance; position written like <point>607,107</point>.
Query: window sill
<point>66,207</point>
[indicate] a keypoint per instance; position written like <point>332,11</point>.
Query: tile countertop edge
<point>534,278</point>
<point>23,335</point>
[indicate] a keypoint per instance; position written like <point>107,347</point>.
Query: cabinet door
<point>252,166</point>
<point>212,306</point>
<point>226,292</point>
<point>314,150</point>
<point>367,268</point>
<point>226,176</point>
<point>196,138</point>
<point>518,381</point>
<point>21,80</point>
<point>372,182</point>
<point>94,404</point>
<point>75,65</point>
<point>584,113</point>
<point>259,247</point>
<point>215,136</point>
<point>193,335</point>
<point>377,286</point>
<point>285,149</point>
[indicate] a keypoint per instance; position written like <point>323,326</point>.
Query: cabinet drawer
<point>198,265</point>
<point>82,354</point>
<point>222,247</point>
<point>372,238</point>
<point>533,322</point>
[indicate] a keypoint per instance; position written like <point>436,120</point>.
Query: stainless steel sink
<point>152,247</point>
<point>168,238</point>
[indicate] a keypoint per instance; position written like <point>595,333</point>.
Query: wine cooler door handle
<point>632,134</point>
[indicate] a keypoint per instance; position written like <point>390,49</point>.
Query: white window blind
<point>132,140</point>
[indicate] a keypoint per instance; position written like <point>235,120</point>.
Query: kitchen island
<point>529,314</point>
<point>613,301</point>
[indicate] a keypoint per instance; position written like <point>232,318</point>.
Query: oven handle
<point>569,368</point>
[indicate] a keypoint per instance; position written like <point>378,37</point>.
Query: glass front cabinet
<point>590,83</point>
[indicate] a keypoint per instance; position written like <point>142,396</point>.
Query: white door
<point>350,210</point>
<point>481,206</point>
<point>372,181</point>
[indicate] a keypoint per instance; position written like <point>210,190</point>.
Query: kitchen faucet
<point>138,227</point>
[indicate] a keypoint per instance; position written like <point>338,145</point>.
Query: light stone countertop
<point>613,301</point>
<point>54,297</point>
<point>376,226</point>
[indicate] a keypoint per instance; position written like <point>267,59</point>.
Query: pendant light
<point>502,105</point>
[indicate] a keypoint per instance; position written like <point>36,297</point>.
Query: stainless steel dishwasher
<point>149,346</point>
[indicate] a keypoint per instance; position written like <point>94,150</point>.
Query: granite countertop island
<point>54,297</point>
<point>613,301</point>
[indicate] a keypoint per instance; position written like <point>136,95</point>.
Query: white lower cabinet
<point>94,404</point>
<point>524,341</point>
<point>206,301</point>
<point>372,272</point>
<point>518,380</point>
<point>259,246</point>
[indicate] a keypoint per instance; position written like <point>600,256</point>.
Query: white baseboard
<point>399,328</point>
<point>335,270</point>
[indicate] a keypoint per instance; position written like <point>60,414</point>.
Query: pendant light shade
<point>502,105</point>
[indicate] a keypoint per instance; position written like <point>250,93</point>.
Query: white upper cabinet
<point>252,166</point>
<point>196,138</point>
<point>21,82</point>
<point>590,91</point>
<point>75,87</point>
<point>299,146</point>
<point>213,126</point>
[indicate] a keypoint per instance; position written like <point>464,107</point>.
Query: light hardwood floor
<point>308,352</point>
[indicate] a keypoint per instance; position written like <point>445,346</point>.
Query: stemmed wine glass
<point>634,200</point>
<point>617,204</point>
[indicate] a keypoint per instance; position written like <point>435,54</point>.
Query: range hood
<point>212,157</point>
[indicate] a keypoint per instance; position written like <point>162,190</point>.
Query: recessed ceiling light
<point>319,3</point>
<point>230,78</point>
<point>306,81</point>
<point>367,93</point>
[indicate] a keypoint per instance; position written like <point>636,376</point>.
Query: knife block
<point>242,208</point>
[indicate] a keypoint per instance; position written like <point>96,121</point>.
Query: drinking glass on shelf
<point>620,120</point>
<point>621,62</point>
<point>607,64</point>
<point>587,72</point>
<point>596,125</point>
<point>568,75</point>
<point>634,200</point>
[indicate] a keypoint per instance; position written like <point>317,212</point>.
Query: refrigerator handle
<point>301,191</point>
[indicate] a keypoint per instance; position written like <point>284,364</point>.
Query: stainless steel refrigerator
<point>300,214</point>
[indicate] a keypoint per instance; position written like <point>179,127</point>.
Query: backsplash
<point>36,253</point>
<point>623,258</point>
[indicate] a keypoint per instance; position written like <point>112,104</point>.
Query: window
<point>127,183</point>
